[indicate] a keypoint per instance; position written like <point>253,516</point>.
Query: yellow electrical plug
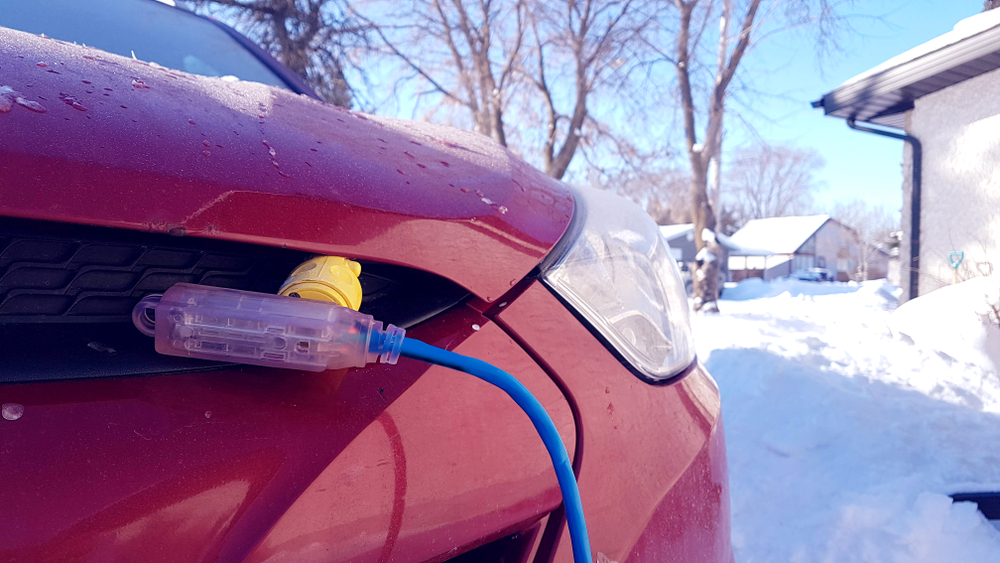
<point>326,278</point>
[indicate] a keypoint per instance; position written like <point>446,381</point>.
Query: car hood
<point>94,138</point>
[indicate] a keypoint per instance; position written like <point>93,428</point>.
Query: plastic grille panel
<point>53,272</point>
<point>60,273</point>
<point>67,292</point>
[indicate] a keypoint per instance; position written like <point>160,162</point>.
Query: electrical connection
<point>321,330</point>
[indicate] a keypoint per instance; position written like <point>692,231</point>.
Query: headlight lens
<point>616,271</point>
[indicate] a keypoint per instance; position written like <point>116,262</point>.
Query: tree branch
<point>416,68</point>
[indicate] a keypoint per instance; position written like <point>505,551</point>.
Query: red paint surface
<point>400,463</point>
<point>653,474</point>
<point>283,169</point>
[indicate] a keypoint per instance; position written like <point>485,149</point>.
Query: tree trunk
<point>706,278</point>
<point>715,163</point>
<point>706,274</point>
<point>715,181</point>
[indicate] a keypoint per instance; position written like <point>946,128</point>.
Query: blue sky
<point>786,76</point>
<point>858,165</point>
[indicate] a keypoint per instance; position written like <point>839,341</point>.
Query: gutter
<point>963,53</point>
<point>914,197</point>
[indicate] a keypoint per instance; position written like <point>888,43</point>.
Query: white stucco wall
<point>959,129</point>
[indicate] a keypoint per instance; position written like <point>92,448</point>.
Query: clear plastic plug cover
<point>617,272</point>
<point>228,325</point>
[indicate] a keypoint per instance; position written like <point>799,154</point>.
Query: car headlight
<point>615,270</point>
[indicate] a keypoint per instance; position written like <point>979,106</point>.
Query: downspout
<point>914,197</point>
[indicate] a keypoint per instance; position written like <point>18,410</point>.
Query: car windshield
<point>146,29</point>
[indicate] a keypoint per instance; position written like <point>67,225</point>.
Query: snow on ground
<point>956,330</point>
<point>844,439</point>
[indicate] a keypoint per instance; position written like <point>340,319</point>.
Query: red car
<point>120,178</point>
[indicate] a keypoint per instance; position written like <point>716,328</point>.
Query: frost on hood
<point>9,97</point>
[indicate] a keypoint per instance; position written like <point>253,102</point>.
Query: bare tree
<point>314,38</point>
<point>871,225</point>
<point>771,181</point>
<point>992,312</point>
<point>739,25</point>
<point>700,154</point>
<point>541,59</point>
<point>661,191</point>
<point>592,39</point>
<point>466,51</point>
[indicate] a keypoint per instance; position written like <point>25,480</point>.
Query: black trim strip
<point>988,503</point>
<point>618,355</point>
<point>916,175</point>
<point>557,518</point>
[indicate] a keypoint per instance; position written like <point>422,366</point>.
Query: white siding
<point>803,262</point>
<point>836,250</point>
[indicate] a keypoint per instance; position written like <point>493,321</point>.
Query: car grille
<point>67,293</point>
<point>62,273</point>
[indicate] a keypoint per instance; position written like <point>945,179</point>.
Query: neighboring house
<point>879,260</point>
<point>778,246</point>
<point>893,275</point>
<point>944,96</point>
<point>680,239</point>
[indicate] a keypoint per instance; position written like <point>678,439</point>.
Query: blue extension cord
<point>418,350</point>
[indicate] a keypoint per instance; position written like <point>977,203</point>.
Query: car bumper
<point>402,463</point>
<point>651,458</point>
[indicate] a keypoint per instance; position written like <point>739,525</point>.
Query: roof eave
<point>883,98</point>
<point>821,225</point>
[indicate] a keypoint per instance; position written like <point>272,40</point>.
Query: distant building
<point>680,239</point>
<point>779,246</point>
<point>892,246</point>
<point>942,99</point>
<point>880,260</point>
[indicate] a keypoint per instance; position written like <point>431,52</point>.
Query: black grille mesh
<point>81,274</point>
<point>67,292</point>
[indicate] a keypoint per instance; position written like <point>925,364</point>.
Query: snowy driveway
<point>843,441</point>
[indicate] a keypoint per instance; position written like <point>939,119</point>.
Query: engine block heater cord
<point>320,330</point>
<point>418,350</point>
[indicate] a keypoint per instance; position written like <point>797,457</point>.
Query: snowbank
<point>934,529</point>
<point>953,321</point>
<point>756,288</point>
<point>844,440</point>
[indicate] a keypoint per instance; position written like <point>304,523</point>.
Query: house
<point>892,247</point>
<point>941,99</point>
<point>680,239</point>
<point>777,246</point>
<point>880,260</point>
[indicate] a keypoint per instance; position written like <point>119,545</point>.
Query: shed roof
<point>883,94</point>
<point>777,235</point>
<point>670,232</point>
